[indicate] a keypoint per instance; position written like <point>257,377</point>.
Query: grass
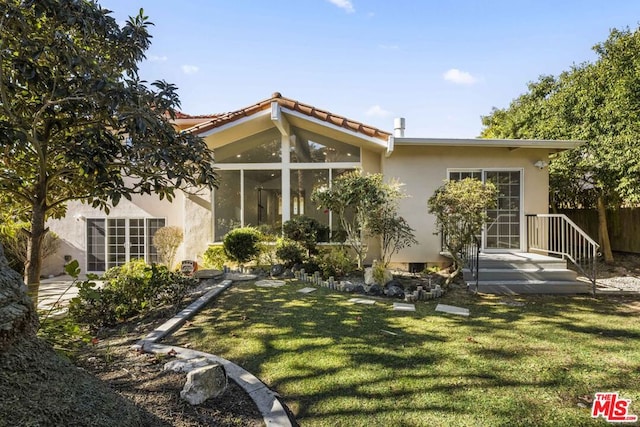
<point>336,364</point>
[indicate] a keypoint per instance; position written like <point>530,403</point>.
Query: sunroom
<point>272,155</point>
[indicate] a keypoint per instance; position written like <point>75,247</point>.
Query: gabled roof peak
<point>293,105</point>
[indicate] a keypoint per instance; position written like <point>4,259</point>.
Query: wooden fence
<point>623,225</point>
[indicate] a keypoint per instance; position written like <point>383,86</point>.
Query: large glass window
<point>227,203</point>
<point>264,147</point>
<point>263,199</point>
<point>303,182</point>
<point>251,180</point>
<point>309,147</point>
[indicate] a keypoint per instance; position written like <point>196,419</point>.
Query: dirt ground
<point>139,377</point>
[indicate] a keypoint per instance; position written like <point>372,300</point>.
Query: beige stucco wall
<point>423,170</point>
<point>72,229</point>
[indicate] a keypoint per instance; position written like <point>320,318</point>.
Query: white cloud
<point>389,46</point>
<point>190,69</point>
<point>157,58</point>
<point>377,111</point>
<point>459,77</point>
<point>344,4</point>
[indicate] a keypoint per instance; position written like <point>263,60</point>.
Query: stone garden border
<point>265,399</point>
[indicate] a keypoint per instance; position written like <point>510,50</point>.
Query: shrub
<point>214,257</point>
<point>128,290</point>
<point>166,240</point>
<point>242,244</point>
<point>290,252</point>
<point>304,230</point>
<point>337,263</point>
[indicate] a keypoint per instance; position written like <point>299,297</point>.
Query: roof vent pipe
<point>398,127</point>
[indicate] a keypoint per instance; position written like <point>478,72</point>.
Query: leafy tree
<point>460,208</point>
<point>76,120</point>
<point>596,102</point>
<point>394,231</point>
<point>354,197</point>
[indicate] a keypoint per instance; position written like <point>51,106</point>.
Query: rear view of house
<point>272,154</point>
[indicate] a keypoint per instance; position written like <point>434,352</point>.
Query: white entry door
<point>503,231</point>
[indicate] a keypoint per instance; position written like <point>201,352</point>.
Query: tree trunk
<point>603,232</point>
<point>34,251</point>
<point>17,315</point>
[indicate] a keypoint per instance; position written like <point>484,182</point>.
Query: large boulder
<point>204,383</point>
<point>17,315</point>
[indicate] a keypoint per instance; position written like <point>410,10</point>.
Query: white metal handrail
<point>557,234</point>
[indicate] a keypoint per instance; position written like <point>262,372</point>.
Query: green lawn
<point>334,364</point>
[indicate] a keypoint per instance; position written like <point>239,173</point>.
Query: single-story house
<point>273,153</point>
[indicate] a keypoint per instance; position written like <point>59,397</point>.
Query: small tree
<point>166,240</point>
<point>460,209</point>
<point>304,230</point>
<point>354,197</point>
<point>394,231</point>
<point>395,234</point>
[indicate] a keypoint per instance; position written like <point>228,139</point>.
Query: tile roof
<point>291,104</point>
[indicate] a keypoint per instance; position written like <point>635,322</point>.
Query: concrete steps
<point>525,273</point>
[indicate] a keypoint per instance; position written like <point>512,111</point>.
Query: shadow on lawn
<point>373,358</point>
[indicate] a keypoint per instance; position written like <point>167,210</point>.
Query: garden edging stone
<point>265,399</point>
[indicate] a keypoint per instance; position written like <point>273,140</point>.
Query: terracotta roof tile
<point>291,104</point>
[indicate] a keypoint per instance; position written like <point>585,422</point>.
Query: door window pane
<point>116,236</point>
<point>227,203</point>
<point>503,228</point>
<point>96,256</point>
<point>263,199</point>
<point>153,225</point>
<point>136,239</point>
<point>303,182</point>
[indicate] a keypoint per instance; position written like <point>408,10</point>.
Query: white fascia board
<point>479,142</point>
<point>390,145</point>
<point>279,120</point>
<point>232,124</point>
<point>378,142</point>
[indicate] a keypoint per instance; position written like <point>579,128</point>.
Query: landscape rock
<point>204,383</point>
<point>358,289</point>
<point>395,292</point>
<point>17,317</point>
<point>189,365</point>
<point>394,282</point>
<point>277,270</point>
<point>288,274</point>
<point>375,290</point>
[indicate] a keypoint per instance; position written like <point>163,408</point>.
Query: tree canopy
<point>76,119</point>
<point>597,102</point>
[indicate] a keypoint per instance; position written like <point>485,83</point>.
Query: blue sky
<point>440,64</point>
